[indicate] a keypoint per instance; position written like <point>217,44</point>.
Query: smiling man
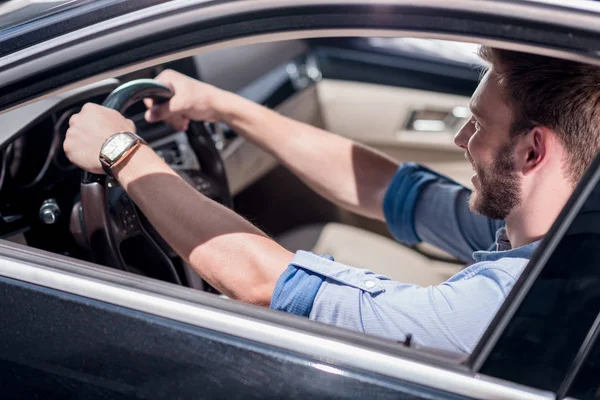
<point>535,129</point>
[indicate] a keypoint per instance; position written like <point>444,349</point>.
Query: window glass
<point>540,343</point>
<point>586,384</point>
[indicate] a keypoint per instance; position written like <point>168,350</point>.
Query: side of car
<point>72,327</point>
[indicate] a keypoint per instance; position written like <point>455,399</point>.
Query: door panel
<point>379,115</point>
<point>57,345</point>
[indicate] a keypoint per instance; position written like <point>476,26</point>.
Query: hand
<point>88,130</point>
<point>193,100</point>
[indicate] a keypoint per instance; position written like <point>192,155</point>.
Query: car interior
<point>403,96</point>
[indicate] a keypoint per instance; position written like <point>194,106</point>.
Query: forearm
<point>227,251</point>
<point>351,175</point>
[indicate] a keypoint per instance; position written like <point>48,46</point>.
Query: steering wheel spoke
<point>123,217</point>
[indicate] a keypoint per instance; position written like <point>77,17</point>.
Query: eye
<point>476,124</point>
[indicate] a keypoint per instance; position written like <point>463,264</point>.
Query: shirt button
<point>370,284</point>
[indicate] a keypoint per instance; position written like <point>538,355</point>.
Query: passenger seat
<point>364,249</point>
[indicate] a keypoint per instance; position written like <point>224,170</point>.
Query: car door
<point>404,96</point>
<point>76,330</point>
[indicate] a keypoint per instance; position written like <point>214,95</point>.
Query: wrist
<point>119,168</point>
<point>219,103</point>
<point>143,161</point>
<point>229,107</point>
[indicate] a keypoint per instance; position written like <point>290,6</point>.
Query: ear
<point>534,149</point>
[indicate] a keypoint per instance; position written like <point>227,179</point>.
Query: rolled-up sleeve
<point>299,284</point>
<point>422,205</point>
<point>450,316</point>
<point>400,201</point>
<point>297,287</point>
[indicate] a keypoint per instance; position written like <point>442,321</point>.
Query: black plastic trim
<point>396,70</point>
<point>67,18</point>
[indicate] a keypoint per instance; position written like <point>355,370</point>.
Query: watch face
<point>116,146</point>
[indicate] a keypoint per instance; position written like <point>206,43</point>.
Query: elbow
<point>247,272</point>
<point>259,295</point>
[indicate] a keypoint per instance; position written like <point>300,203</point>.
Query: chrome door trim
<point>316,346</point>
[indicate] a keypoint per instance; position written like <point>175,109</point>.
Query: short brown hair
<point>562,95</point>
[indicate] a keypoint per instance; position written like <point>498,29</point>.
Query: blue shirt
<point>420,205</point>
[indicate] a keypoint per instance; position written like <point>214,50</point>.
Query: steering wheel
<point>116,231</point>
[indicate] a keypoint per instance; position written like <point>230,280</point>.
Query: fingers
<point>158,112</point>
<point>167,76</point>
<point>162,113</point>
<point>149,103</point>
<point>178,122</point>
<point>176,111</point>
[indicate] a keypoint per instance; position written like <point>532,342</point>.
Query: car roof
<point>584,5</point>
<point>17,12</point>
<point>27,22</point>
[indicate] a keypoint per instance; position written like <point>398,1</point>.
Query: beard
<point>499,190</point>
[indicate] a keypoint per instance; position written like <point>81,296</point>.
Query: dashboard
<point>39,187</point>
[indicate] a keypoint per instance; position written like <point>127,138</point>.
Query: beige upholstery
<point>363,249</point>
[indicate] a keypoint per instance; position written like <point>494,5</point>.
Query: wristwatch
<point>117,148</point>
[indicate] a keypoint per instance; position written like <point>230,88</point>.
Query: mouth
<point>474,178</point>
<point>468,157</point>
<point>470,160</point>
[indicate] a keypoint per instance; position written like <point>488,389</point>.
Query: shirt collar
<point>504,249</point>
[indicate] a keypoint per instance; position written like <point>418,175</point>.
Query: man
<point>534,130</point>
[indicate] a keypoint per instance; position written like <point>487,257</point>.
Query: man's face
<point>490,150</point>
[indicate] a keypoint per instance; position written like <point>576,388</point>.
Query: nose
<point>461,139</point>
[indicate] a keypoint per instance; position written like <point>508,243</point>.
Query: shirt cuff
<point>400,201</point>
<point>296,288</point>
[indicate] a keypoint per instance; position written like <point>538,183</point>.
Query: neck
<point>534,217</point>
<point>520,233</point>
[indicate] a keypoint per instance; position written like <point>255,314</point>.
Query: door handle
<point>435,120</point>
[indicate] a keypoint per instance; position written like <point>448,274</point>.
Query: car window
<point>584,380</point>
<point>550,326</point>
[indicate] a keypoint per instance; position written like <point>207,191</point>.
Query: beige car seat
<point>364,249</point>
